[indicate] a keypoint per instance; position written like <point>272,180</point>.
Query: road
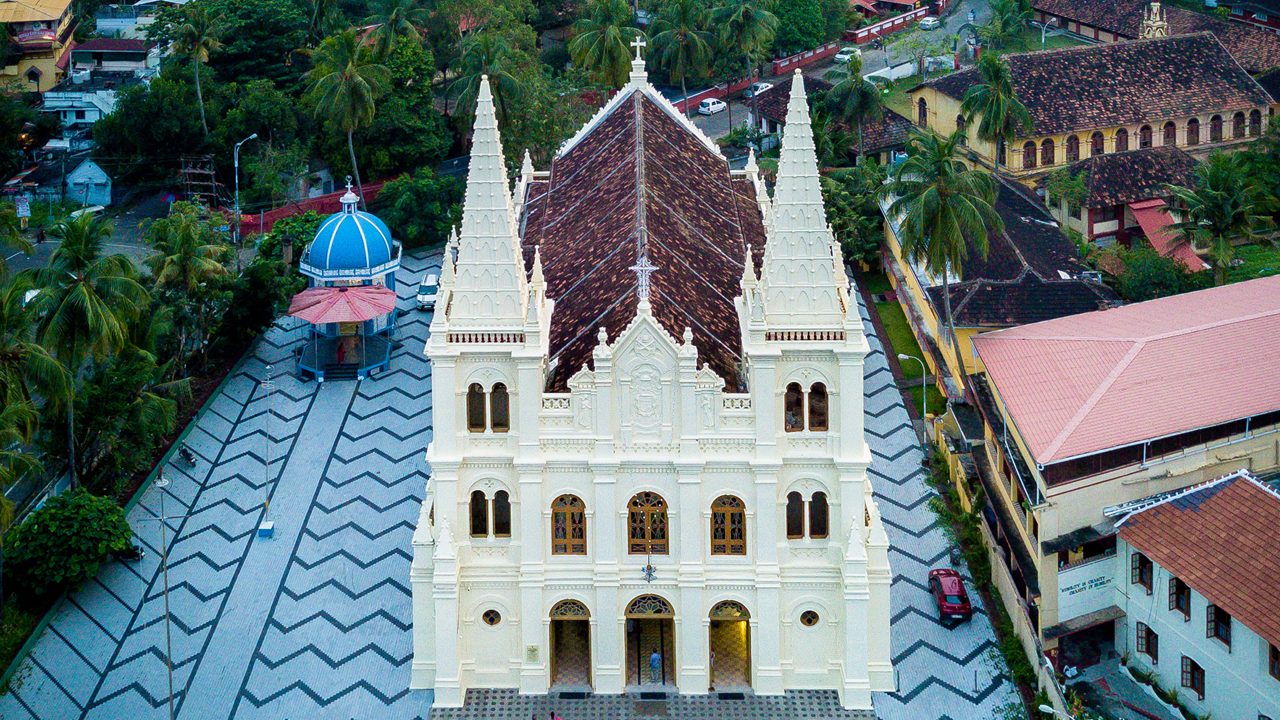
<point>717,126</point>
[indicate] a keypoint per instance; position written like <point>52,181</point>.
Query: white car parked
<point>756,89</point>
<point>711,106</point>
<point>846,54</point>
<point>930,23</point>
<point>428,291</point>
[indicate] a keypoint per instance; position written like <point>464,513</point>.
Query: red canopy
<point>357,303</point>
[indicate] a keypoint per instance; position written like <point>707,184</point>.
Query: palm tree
<point>681,42</point>
<point>944,209</point>
<point>486,53</point>
<point>196,39</point>
<point>854,99</point>
<point>185,255</point>
<point>830,139</point>
<point>85,303</point>
<point>15,461</point>
<point>393,19</point>
<point>10,237</point>
<point>601,38</point>
<point>747,28</point>
<point>1003,116</point>
<point>345,83</point>
<point>27,370</point>
<point>1008,19</point>
<point>1220,210</point>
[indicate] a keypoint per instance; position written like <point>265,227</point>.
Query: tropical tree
<point>1008,19</point>
<point>15,462</point>
<point>393,19</point>
<point>85,302</point>
<point>345,82</point>
<point>601,39</point>
<point>1218,211</point>
<point>196,39</point>
<point>10,237</point>
<point>944,211</point>
<point>187,252</point>
<point>830,139</point>
<point>486,53</point>
<point>27,370</point>
<point>854,99</point>
<point>681,43</point>
<point>747,29</point>
<point>1002,116</point>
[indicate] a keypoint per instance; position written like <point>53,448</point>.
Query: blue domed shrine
<point>350,299</point>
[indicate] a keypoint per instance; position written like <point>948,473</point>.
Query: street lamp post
<point>924,394</point>
<point>236,161</point>
<point>1049,710</point>
<point>162,484</point>
<point>1044,28</point>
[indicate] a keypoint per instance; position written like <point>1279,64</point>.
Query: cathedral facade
<point>648,465</point>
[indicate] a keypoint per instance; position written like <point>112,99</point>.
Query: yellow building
<point>1082,417</point>
<point>1031,272</point>
<point>40,37</point>
<point>1185,91</point>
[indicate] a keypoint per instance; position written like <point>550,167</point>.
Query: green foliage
<point>801,26</point>
<point>682,42</point>
<point>257,106</point>
<point>1064,186</point>
<point>1148,275</point>
<point>421,207</point>
<point>263,290</point>
<point>14,115</point>
<point>1008,20</point>
<point>1260,162</point>
<point>1220,211</point>
<point>16,625</point>
<point>601,41</point>
<point>259,38</point>
<point>1001,115</point>
<point>63,544</point>
<point>147,149</point>
<point>854,214</point>
<point>836,17</point>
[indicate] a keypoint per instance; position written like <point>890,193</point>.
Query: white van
<point>427,292</point>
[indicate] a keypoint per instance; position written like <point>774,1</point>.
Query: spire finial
<point>349,199</point>
<point>643,270</point>
<point>639,76</point>
<point>639,43</point>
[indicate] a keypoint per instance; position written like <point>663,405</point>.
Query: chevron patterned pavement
<point>315,622</point>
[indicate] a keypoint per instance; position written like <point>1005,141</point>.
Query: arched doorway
<point>570,646</point>
<point>730,640</point>
<point>651,628</point>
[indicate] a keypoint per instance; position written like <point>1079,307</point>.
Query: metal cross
<point>643,269</point>
<point>639,43</point>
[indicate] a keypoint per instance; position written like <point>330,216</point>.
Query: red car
<point>949,594</point>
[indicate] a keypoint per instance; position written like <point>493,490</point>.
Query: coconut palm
<point>1002,115</point>
<point>1008,19</point>
<point>345,82</point>
<point>85,302</point>
<point>28,372</point>
<point>681,43</point>
<point>486,53</point>
<point>186,256</point>
<point>10,237</point>
<point>746,28</point>
<point>196,39</point>
<point>854,99</point>
<point>394,19</point>
<point>15,461</point>
<point>1219,210</point>
<point>601,39</point>
<point>944,211</point>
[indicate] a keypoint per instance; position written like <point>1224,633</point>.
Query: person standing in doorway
<point>655,666</point>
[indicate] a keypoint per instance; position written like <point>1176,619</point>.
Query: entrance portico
<point>650,627</point>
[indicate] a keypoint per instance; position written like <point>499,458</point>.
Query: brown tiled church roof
<point>1125,177</point>
<point>1021,279</point>
<point>1220,540</point>
<point>1126,83</point>
<point>698,217</point>
<point>1254,48</point>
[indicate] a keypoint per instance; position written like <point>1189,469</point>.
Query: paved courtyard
<point>315,622</point>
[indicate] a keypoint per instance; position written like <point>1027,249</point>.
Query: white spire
<point>489,289</point>
<point>798,273</point>
<point>639,76</point>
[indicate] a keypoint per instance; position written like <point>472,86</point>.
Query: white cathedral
<point>648,466</point>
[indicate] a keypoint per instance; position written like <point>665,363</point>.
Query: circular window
<point>491,617</point>
<point>808,618</point>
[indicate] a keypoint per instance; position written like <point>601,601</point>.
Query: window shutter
<point>1173,593</point>
<point>1134,571</point>
<point>1210,615</point>
<point>1186,671</point>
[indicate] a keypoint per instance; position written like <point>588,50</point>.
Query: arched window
<point>1215,128</point>
<point>1096,145</point>
<point>728,526</point>
<point>818,515</point>
<point>479,514</point>
<point>818,407</point>
<point>501,514</point>
<point>1000,155</point>
<point>795,516</point>
<point>1170,133</point>
<point>922,113</point>
<point>960,126</point>
<point>1122,140</point>
<point>475,408</point>
<point>1237,125</point>
<point>1193,131</point>
<point>499,408</point>
<point>1073,148</point>
<point>1028,155</point>
<point>1047,151</point>
<point>1255,123</point>
<point>568,526</point>
<point>793,408</point>
<point>1144,136</point>
<point>647,524</point>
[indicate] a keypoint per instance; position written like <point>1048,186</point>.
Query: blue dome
<point>350,240</point>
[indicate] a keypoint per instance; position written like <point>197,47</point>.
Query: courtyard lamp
<point>924,395</point>
<point>1044,28</point>
<point>236,162</point>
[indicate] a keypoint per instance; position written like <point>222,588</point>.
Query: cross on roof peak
<point>643,269</point>
<point>639,44</point>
